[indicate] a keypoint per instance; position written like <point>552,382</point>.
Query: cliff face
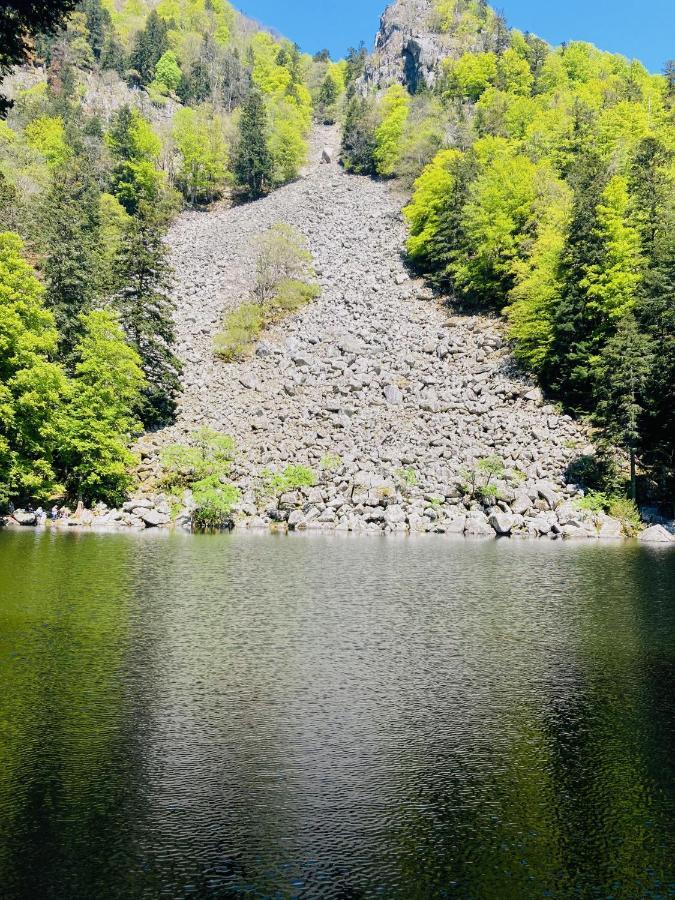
<point>410,46</point>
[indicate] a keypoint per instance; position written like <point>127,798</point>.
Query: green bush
<point>291,294</point>
<point>616,506</point>
<point>241,329</point>
<point>331,462</point>
<point>407,476</point>
<point>202,467</point>
<point>214,504</point>
<point>292,478</point>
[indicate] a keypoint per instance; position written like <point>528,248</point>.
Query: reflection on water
<point>312,716</point>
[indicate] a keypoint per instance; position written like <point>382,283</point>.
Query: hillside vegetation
<point>544,189</point>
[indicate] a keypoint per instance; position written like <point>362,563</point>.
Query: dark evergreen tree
<point>113,55</point>
<point>656,313</point>
<point>253,160</point>
<point>649,189</point>
<point>150,44</point>
<point>568,372</point>
<point>99,25</point>
<point>358,137</point>
<point>143,276</point>
<point>622,375</point>
<point>71,233</point>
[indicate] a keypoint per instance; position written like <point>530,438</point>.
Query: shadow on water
<point>340,717</point>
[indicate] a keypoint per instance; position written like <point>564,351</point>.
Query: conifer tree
<point>71,235</point>
<point>143,276</point>
<point>567,371</point>
<point>621,376</point>
<point>150,45</point>
<point>253,163</point>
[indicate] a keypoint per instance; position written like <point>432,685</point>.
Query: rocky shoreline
<point>376,506</point>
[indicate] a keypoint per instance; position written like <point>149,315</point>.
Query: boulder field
<point>388,394</point>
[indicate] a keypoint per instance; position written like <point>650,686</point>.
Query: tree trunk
<point>633,480</point>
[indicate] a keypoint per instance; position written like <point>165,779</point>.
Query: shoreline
<point>653,534</point>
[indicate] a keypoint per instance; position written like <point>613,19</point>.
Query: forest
<point>540,182</point>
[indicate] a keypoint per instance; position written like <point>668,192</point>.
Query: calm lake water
<point>323,716</point>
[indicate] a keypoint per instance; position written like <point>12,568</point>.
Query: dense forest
<point>544,189</point>
<point>541,187</point>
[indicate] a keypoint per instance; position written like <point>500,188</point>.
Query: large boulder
<point>24,518</point>
<point>656,534</point>
<point>502,523</point>
<point>151,517</point>
<point>394,514</point>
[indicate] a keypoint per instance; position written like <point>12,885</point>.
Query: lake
<point>335,717</point>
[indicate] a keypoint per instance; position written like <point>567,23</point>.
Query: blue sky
<point>645,29</point>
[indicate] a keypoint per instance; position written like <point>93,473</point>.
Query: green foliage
<point>614,505</point>
<point>47,135</point>
<point>203,170</point>
<point>135,148</point>
<point>18,24</point>
<point>71,240</point>
<point>470,75</point>
<point>478,480</point>
<point>143,276</point>
<point>291,294</point>
<point>407,476</point>
<point>290,479</point>
<point>32,388</point>
<point>202,467</point>
<point>282,264</point>
<point>331,462</point>
<point>167,71</point>
<point>100,418</point>
<point>241,329</point>
<point>150,44</point>
<point>358,137</point>
<point>210,454</point>
<point>282,255</point>
<point>389,133</point>
<point>555,206</point>
<point>253,161</point>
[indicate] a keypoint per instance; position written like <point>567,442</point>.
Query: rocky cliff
<point>410,46</point>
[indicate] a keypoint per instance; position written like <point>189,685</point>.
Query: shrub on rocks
<point>290,479</point>
<point>202,468</point>
<point>282,266</point>
<point>241,329</point>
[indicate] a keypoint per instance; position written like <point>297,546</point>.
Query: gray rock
<point>477,527</point>
<point>521,504</point>
<point>393,395</point>
<point>610,528</point>
<point>296,518</point>
<point>501,522</point>
<point>24,518</point>
<point>547,493</point>
<point>151,517</point>
<point>394,514</point>
<point>656,534</point>
<point>455,525</point>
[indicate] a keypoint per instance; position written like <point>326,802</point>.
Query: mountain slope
<point>374,370</point>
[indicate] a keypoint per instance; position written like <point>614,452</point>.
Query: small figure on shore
<point>54,514</point>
